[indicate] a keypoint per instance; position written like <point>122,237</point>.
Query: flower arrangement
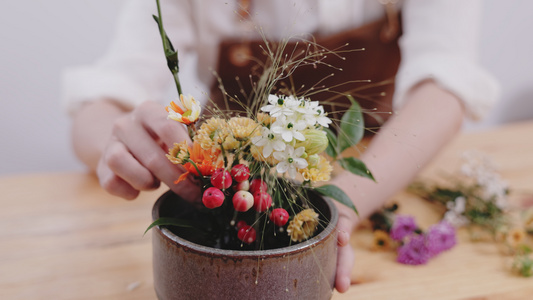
<point>413,245</point>
<point>477,198</point>
<point>257,171</point>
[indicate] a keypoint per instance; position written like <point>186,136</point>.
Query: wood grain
<point>62,237</point>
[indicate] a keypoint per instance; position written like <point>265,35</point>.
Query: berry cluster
<point>245,194</point>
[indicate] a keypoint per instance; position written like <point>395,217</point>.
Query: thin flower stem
<point>177,81</point>
<point>167,47</point>
<point>204,183</point>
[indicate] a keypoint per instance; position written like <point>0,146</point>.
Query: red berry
<point>213,197</point>
<point>221,179</point>
<point>247,234</point>
<point>262,201</point>
<point>279,216</point>
<point>242,186</point>
<point>241,223</point>
<point>240,172</point>
<point>243,201</point>
<point>258,185</point>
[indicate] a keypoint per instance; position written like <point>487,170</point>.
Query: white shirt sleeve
<point>440,43</point>
<point>134,68</point>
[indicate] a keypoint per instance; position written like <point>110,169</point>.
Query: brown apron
<point>378,63</point>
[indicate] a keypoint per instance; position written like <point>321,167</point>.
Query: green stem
<point>160,25</point>
<point>177,81</point>
<point>168,49</point>
<point>204,183</point>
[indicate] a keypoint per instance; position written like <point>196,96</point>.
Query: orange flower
<point>186,115</point>
<point>205,160</point>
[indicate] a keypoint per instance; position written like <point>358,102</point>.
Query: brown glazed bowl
<point>185,270</point>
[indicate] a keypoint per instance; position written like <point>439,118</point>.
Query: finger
<point>345,258</point>
<point>124,165</point>
<point>145,150</point>
<point>141,144</point>
<point>344,229</point>
<point>114,184</point>
<point>165,132</point>
<point>343,237</point>
<point>345,263</point>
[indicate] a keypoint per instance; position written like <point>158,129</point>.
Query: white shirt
<point>439,41</point>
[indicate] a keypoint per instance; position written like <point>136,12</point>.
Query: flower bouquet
<point>265,223</point>
<point>477,198</point>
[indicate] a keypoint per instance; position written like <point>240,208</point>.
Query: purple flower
<point>414,252</point>
<point>402,227</point>
<point>440,237</point>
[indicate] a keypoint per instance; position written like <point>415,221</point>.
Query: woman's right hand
<point>133,158</point>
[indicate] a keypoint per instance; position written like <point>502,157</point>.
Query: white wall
<point>40,38</point>
<point>506,51</point>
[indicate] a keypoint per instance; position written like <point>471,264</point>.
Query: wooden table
<point>62,237</point>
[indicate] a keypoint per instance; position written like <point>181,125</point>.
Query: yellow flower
<point>187,113</point>
<point>516,237</point>
<point>179,153</point>
<point>381,240</point>
<point>317,172</point>
<point>243,128</point>
<point>265,119</point>
<point>303,226</point>
<point>212,133</point>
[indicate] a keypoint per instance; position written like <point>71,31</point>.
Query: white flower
<point>457,220</point>
<point>313,113</point>
<point>269,141</point>
<point>289,129</point>
<point>454,215</point>
<point>280,106</point>
<point>479,167</point>
<point>290,160</point>
<point>457,206</point>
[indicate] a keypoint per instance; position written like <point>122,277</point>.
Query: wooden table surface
<point>62,237</point>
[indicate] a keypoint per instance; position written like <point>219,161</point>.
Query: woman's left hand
<point>345,253</point>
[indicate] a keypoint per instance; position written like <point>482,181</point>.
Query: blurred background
<point>40,38</point>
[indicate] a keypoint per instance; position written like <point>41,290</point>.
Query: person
<point>120,128</point>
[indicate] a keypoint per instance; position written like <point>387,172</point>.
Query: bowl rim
<point>320,238</point>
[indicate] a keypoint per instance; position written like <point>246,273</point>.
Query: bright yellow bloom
<point>243,128</point>
<point>179,153</point>
<point>303,226</point>
<point>319,172</point>
<point>187,113</point>
<point>212,133</point>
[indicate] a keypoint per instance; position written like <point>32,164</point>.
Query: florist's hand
<point>345,253</point>
<point>134,158</point>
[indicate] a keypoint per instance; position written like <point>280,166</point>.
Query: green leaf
<point>352,127</point>
<point>332,149</point>
<point>336,193</point>
<point>356,166</point>
<point>169,222</point>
